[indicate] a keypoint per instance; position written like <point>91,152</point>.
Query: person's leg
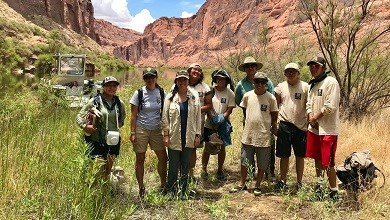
<point>247,156</point>
<point>284,164</point>
<point>205,160</point>
<point>162,166</point>
<point>192,162</point>
<point>185,166</point>
<point>272,158</point>
<point>328,151</point>
<point>331,172</point>
<point>221,158</point>
<point>262,156</point>
<point>299,167</point>
<point>139,169</point>
<point>173,169</point>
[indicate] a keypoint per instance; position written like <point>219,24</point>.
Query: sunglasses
<point>315,66</point>
<point>260,81</point>
<point>250,65</point>
<point>149,77</point>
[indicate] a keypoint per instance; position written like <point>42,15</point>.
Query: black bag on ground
<point>358,171</point>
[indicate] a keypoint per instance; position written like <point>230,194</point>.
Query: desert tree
<point>354,41</point>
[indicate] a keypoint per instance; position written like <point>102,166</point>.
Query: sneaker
<point>334,195</point>
<point>257,191</point>
<point>280,186</point>
<point>221,176</point>
<point>142,192</point>
<point>238,189</point>
<point>204,175</point>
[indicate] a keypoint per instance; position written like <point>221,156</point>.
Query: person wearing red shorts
<point>322,110</point>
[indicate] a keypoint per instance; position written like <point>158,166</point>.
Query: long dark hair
<point>223,73</point>
<point>173,92</point>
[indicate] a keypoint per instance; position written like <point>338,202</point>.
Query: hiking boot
<point>142,192</point>
<point>319,191</point>
<point>257,191</point>
<point>204,175</point>
<point>238,189</point>
<point>280,186</point>
<point>334,195</point>
<point>192,179</point>
<point>221,176</point>
<point>298,186</point>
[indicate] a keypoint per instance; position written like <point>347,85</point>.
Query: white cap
<point>292,66</point>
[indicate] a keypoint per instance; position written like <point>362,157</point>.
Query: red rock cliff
<point>73,14</point>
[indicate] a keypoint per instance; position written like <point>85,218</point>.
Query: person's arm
<point>165,121</point>
<point>133,123</point>
<point>198,116</point>
<point>80,118</point>
<point>207,102</point>
<point>274,119</point>
<point>227,113</point>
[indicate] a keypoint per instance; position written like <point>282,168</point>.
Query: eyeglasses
<point>260,81</point>
<point>250,65</point>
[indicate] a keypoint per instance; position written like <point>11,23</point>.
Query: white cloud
<point>185,14</point>
<point>116,12</point>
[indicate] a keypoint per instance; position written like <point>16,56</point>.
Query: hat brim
<point>177,77</point>
<point>116,82</point>
<point>242,69</point>
<point>149,74</point>
<point>313,62</point>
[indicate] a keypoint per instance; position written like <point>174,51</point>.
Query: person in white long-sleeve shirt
<point>322,110</point>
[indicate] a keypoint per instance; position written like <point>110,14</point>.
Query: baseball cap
<point>110,79</point>
<point>317,60</point>
<point>182,74</point>
<point>292,66</point>
<point>149,72</point>
<point>261,75</point>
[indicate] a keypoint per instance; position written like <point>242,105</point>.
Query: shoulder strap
<point>140,98</point>
<point>162,95</point>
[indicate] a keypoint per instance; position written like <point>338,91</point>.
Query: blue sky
<point>136,14</point>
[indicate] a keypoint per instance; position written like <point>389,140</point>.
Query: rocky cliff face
<point>76,15</point>
<point>219,25</point>
<point>110,36</point>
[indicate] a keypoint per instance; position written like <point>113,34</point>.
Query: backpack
<point>141,98</point>
<point>358,171</point>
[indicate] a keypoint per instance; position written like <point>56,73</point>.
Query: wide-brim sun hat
<point>249,60</point>
<point>110,79</point>
<point>292,66</point>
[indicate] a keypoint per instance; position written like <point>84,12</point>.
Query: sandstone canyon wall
<point>76,15</point>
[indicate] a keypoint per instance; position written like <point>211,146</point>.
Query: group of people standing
<point>303,117</point>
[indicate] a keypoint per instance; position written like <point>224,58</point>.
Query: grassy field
<point>45,175</point>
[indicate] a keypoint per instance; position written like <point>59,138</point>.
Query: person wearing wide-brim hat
<point>250,66</point>
<point>291,96</point>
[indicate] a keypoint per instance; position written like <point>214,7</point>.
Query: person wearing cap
<point>291,96</point>
<point>259,125</point>
<point>146,109</point>
<point>181,125</point>
<point>250,66</point>
<point>218,120</point>
<point>205,96</point>
<point>109,115</point>
<point>322,110</point>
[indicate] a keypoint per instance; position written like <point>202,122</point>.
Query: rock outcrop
<point>76,15</point>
